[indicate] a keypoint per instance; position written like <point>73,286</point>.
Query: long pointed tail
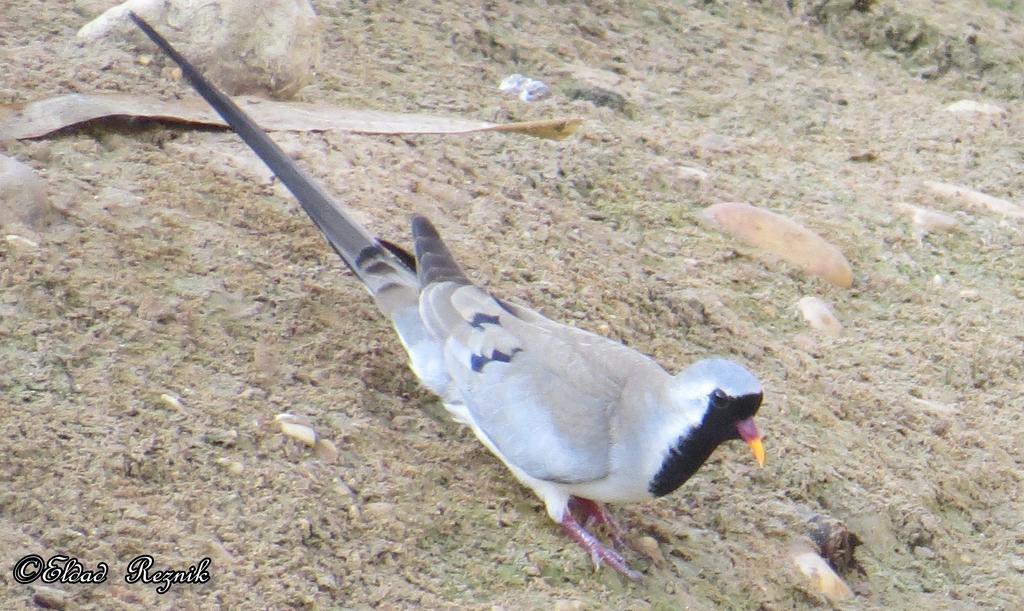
<point>356,246</point>
<point>388,272</point>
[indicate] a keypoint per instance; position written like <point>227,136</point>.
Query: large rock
<point>263,47</point>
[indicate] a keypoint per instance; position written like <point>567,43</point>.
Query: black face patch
<point>738,408</point>
<point>693,449</point>
<point>477,361</point>
<point>480,319</point>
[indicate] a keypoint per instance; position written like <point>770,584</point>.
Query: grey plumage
<point>572,414</point>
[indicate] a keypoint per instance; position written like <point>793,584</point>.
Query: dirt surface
<point>179,268</point>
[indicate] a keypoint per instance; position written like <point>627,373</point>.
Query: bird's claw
<point>594,513</point>
<point>599,553</point>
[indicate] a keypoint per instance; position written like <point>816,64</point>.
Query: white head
<point>702,378</point>
<point>720,398</point>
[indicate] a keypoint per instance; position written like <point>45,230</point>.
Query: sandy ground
<point>179,268</point>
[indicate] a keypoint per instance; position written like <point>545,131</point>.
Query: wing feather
<point>544,393</point>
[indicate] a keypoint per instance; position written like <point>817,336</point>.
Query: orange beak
<point>748,432</point>
<point>758,449</point>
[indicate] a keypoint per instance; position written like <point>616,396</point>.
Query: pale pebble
<point>823,579</point>
<point>975,199</point>
<point>783,238</point>
<point>18,241</point>
<point>819,315</point>
<point>297,427</point>
<point>929,221</point>
<point>171,401</point>
<point>973,107</point>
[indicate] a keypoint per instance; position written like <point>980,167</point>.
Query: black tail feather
<point>345,235</point>
<point>403,255</point>
<point>434,262</point>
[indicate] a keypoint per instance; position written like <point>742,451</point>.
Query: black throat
<point>691,450</point>
<point>683,460</point>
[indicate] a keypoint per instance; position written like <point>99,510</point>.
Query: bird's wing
<point>545,394</point>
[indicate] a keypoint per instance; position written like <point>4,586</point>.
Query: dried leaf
<point>42,117</point>
<point>784,238</point>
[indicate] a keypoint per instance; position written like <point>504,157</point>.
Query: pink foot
<point>595,513</point>
<point>598,552</point>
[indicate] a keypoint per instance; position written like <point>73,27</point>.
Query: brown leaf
<point>42,117</point>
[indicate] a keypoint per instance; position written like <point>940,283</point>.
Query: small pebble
<point>819,315</point>
<point>972,107</point>
<point>928,221</point>
<point>226,438</point>
<point>297,427</point>
<point>975,199</point>
<point>823,579</point>
<point>836,544</point>
<point>648,546</point>
<point>171,401</point>
<point>18,241</point>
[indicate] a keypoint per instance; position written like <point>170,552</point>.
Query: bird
<point>580,419</point>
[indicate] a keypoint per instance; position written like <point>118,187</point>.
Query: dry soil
<point>180,268</point>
